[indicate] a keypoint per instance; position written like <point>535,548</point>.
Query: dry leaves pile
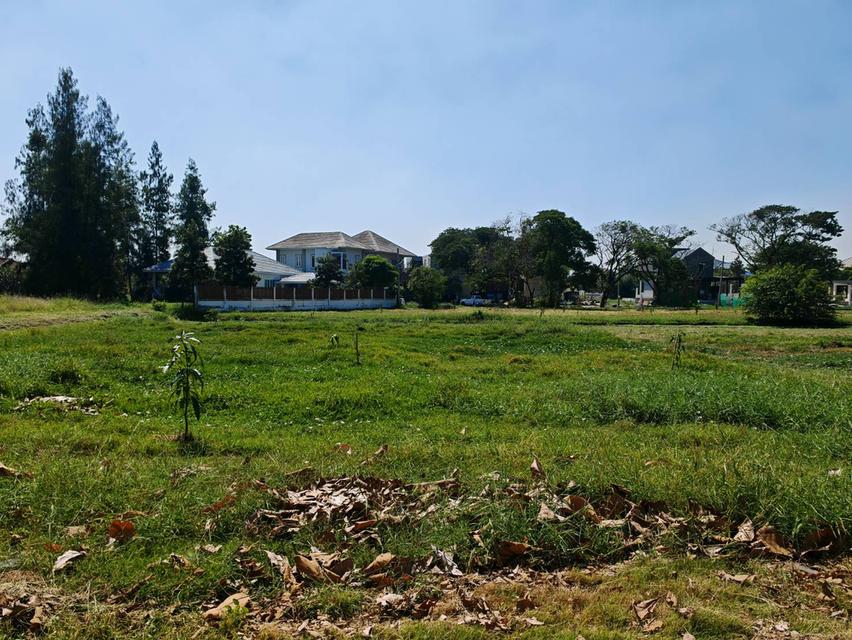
<point>62,403</point>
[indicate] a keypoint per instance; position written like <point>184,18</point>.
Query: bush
<point>788,295</point>
<point>159,305</point>
<point>196,314</point>
<point>427,286</point>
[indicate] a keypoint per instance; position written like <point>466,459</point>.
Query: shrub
<point>427,286</point>
<point>159,305</point>
<point>788,295</point>
<point>196,314</point>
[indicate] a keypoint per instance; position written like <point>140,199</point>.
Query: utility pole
<point>719,293</point>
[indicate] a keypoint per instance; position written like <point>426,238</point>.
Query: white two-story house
<point>303,250</point>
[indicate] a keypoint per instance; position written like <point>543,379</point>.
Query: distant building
<point>303,251</point>
<point>268,271</point>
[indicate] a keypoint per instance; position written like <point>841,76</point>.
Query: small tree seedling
<point>678,348</point>
<point>188,382</point>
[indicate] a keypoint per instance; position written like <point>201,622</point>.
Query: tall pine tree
<point>192,212</point>
<point>72,209</point>
<point>157,218</point>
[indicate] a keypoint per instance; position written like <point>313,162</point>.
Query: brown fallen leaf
<point>773,542</point>
<point>687,636</point>
<point>177,561</point>
<point>211,548</point>
<point>121,530</point>
<point>575,503</point>
<point>671,600</point>
<point>508,550</point>
<point>525,603</point>
<point>8,472</point>
<point>342,447</point>
<point>311,569</point>
<point>686,612</point>
<point>379,564</point>
<point>537,470</point>
<point>283,565</point>
<point>740,578</point>
<point>228,501</point>
<point>53,547</point>
<point>380,453</point>
<point>835,473</point>
<point>38,619</point>
<point>652,626</point>
<point>240,599</point>
<point>745,532</point>
<point>533,622</point>
<point>75,531</point>
<point>546,514</point>
<point>645,608</point>
<point>67,558</point>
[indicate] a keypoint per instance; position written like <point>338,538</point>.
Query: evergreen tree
<point>234,263</point>
<point>193,212</point>
<point>74,204</point>
<point>157,218</point>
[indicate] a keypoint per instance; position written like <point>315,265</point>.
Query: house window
<point>284,259</point>
<point>342,259</point>
<point>298,259</point>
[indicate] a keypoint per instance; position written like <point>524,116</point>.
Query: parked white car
<point>474,301</point>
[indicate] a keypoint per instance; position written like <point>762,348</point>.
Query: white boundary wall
<point>298,305</point>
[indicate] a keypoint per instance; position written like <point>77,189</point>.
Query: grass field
<point>753,423</point>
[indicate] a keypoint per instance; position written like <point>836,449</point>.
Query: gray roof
<point>847,262</point>
<point>262,264</point>
<point>320,240</point>
<point>299,278</point>
<point>265,264</point>
<point>377,243</point>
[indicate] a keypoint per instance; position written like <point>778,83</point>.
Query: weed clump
<point>66,372</point>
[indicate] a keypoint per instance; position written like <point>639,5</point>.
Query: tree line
<point>89,222</point>
<point>539,257</point>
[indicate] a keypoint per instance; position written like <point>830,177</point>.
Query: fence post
<point>251,298</point>
<point>195,294</point>
<point>225,298</point>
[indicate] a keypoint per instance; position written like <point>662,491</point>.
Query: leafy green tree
<point>614,246</point>
<point>427,286</point>
<point>560,245</point>
<point>74,205</point>
<point>157,215</point>
<point>234,264</point>
<point>475,259</point>
<point>452,253</point>
<point>788,295</point>
<point>327,272</point>
<point>193,213</point>
<point>779,234</point>
<point>655,262</point>
<point>374,271</point>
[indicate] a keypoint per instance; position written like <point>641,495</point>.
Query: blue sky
<point>409,117</point>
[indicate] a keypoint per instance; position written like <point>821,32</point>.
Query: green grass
<point>749,425</point>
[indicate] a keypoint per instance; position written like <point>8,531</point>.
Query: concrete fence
<point>291,298</point>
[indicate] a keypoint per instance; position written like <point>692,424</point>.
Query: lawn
<point>752,424</point>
